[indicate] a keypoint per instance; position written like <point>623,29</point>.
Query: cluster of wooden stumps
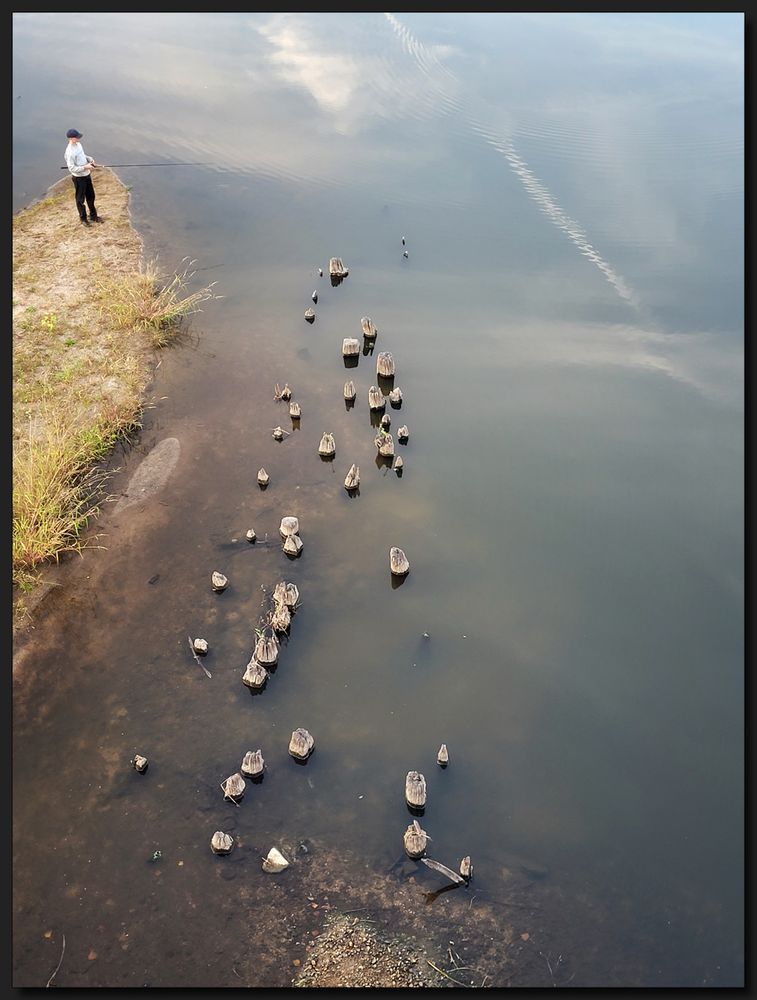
<point>415,839</point>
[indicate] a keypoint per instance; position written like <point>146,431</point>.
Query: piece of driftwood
<point>385,444</point>
<point>140,763</point>
<point>327,447</point>
<point>267,650</point>
<point>385,365</point>
<point>200,646</point>
<point>221,843</point>
<point>369,328</point>
<point>349,390</point>
<point>310,314</point>
<point>196,658</point>
<point>442,756</point>
<point>234,786</point>
<point>290,525</point>
<point>350,347</point>
<point>274,862</point>
<point>295,410</point>
<point>403,433</point>
<point>415,840</point>
<point>398,465</point>
<point>250,535</point>
<point>253,764</point>
<point>301,744</point>
<point>255,674</point>
<point>415,789</point>
<point>395,397</point>
<point>466,868</point>
<point>398,562</point>
<point>314,297</point>
<point>352,479</point>
<point>376,398</point>
<point>292,545</point>
<point>444,870</point>
<point>263,477</point>
<point>280,617</point>
<point>337,268</point>
<point>218,581</point>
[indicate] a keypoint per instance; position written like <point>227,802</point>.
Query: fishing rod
<point>177,164</point>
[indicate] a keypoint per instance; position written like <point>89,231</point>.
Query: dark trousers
<point>85,190</point>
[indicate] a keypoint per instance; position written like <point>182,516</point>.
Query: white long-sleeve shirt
<point>77,159</point>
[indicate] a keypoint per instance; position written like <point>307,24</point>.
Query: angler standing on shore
<point>80,165</point>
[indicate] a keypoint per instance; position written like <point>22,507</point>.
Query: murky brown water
<point>571,507</point>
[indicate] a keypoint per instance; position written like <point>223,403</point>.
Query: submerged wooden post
<point>292,545</point>
<point>301,744</point>
<point>415,789</point>
<point>295,411</point>
<point>310,315</point>
<point>415,840</point>
<point>263,477</point>
<point>218,581</point>
<point>251,536</point>
<point>369,328</point>
<point>140,763</point>
<point>349,390</point>
<point>395,397</point>
<point>403,433</point>
<point>278,433</point>
<point>398,464</point>
<point>337,269</point>
<point>280,617</point>
<point>200,646</point>
<point>350,347</point>
<point>442,757</point>
<point>466,868</point>
<point>267,650</point>
<point>385,365</point>
<point>385,444</point>
<point>286,593</point>
<point>398,562</point>
<point>253,764</point>
<point>386,421</point>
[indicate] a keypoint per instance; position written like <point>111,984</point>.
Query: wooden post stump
<point>415,840</point>
<point>253,764</point>
<point>352,479</point>
<point>218,581</point>
<point>398,562</point>
<point>415,789</point>
<point>221,843</point>
<point>255,674</point>
<point>290,525</point>
<point>301,744</point>
<point>376,398</point>
<point>234,787</point>
<point>369,328</point>
<point>385,364</point>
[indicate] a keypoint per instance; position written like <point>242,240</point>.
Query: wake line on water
<point>536,189</point>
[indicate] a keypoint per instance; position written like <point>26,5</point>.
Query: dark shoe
<point>96,218</point>
<point>85,222</point>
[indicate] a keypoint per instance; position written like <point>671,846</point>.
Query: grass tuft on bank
<point>88,315</point>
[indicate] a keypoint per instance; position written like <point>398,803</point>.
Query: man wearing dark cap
<point>81,167</point>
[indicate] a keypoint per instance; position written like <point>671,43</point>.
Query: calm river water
<point>567,329</point>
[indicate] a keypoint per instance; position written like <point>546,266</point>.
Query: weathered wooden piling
<point>139,763</point>
<point>274,862</point>
<point>337,268</point>
<point>255,674</point>
<point>250,535</point>
<point>385,365</point>
<point>369,328</point>
<point>280,617</point>
<point>314,297</point>
<point>292,545</point>
<point>466,868</point>
<point>278,433</point>
<point>376,398</point>
<point>403,433</point>
<point>279,393</point>
<point>398,465</point>
<point>218,581</point>
<point>327,447</point>
<point>200,646</point>
<point>352,479</point>
<point>301,744</point>
<point>290,525</point>
<point>263,477</point>
<point>386,421</point>
<point>385,444</point>
<point>286,593</point>
<point>398,562</point>
<point>349,390</point>
<point>253,764</point>
<point>221,843</point>
<point>310,314</point>
<point>267,650</point>
<point>415,840</point>
<point>350,347</point>
<point>415,789</point>
<point>295,410</point>
<point>234,787</point>
<point>442,756</point>
<point>395,397</point>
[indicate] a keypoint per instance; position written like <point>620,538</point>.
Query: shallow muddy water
<point>567,332</point>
